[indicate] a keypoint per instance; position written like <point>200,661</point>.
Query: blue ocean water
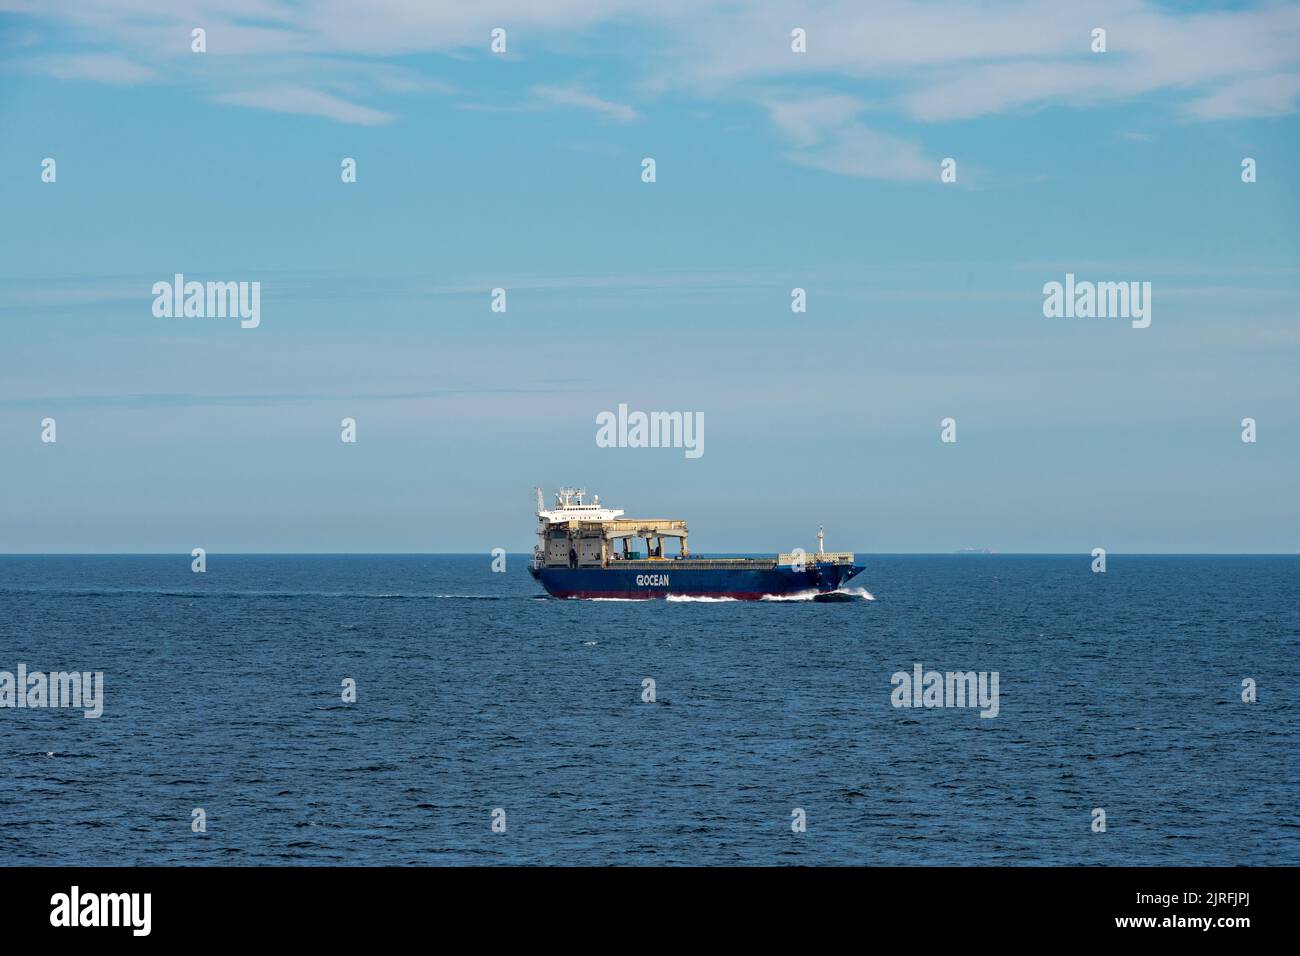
<point>222,691</point>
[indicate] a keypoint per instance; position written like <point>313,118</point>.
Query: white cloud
<point>308,102</point>
<point>868,154</point>
<point>924,63</point>
<point>808,120</point>
<point>573,96</point>
<point>1254,96</point>
<point>829,136</point>
<point>985,57</point>
<point>951,59</point>
<point>96,67</point>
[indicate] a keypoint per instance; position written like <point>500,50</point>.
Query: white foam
<point>700,599</point>
<point>813,595</point>
<point>793,596</point>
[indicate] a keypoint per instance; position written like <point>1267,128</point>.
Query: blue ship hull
<point>681,578</point>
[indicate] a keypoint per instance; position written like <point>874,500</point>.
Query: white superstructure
<point>569,506</point>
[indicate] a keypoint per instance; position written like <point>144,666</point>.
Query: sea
<point>427,710</point>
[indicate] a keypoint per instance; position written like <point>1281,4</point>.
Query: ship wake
<point>840,594</point>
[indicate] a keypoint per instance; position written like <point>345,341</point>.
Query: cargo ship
<point>588,551</point>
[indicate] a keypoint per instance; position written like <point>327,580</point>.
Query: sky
<point>774,170</point>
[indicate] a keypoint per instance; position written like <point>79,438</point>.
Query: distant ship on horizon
<point>974,551</point>
<point>587,551</point>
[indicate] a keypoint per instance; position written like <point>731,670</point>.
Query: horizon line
<point>383,554</point>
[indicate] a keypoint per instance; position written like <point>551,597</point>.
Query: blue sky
<point>774,170</point>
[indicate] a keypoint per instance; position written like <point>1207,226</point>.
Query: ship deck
<point>722,564</point>
<point>667,564</point>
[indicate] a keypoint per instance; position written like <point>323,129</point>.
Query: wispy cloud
<point>96,67</point>
<point>308,102</point>
<point>808,119</point>
<point>828,135</point>
<point>582,99</point>
<point>868,154</point>
<point>1252,97</point>
<point>951,59</point>
<point>258,399</point>
<point>919,63</point>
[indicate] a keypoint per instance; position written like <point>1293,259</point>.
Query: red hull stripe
<point>661,595</point>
